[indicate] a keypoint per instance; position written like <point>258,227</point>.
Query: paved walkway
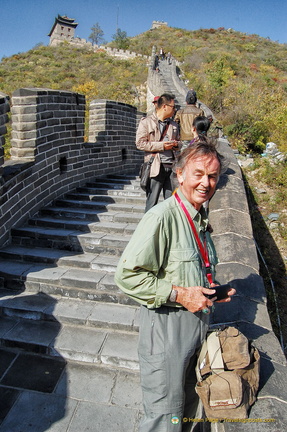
<point>40,393</point>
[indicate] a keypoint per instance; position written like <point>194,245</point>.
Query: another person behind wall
<point>161,268</point>
<point>158,135</point>
<point>185,117</point>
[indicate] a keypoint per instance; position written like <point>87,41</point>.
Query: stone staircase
<point>58,296</point>
<point>165,71</point>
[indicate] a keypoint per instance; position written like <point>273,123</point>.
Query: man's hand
<point>168,145</point>
<point>193,298</point>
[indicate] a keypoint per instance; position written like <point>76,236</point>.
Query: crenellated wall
<point>45,120</point>
<point>78,42</point>
<point>49,155</point>
<point>4,109</point>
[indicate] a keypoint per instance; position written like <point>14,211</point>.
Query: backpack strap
<point>211,346</point>
<point>214,352</point>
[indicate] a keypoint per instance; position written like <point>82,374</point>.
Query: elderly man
<point>157,135</point>
<point>168,267</point>
<point>186,116</point>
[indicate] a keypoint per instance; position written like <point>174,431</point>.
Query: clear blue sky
<point>24,23</point>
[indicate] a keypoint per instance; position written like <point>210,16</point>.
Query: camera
<point>221,292</point>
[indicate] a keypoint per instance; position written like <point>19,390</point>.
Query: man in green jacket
<point>163,269</point>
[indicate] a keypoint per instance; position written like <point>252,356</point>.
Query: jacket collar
<point>199,216</point>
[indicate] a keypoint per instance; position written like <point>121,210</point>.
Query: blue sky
<point>25,23</point>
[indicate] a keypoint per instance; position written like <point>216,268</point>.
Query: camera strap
<point>202,248</point>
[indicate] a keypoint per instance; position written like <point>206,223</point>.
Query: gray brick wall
<point>4,109</point>
<point>49,156</point>
<point>113,125</point>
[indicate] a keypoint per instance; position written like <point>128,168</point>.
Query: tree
<point>121,39</point>
<point>219,74</point>
<point>96,37</point>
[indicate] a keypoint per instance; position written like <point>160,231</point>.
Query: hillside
<point>64,67</point>
<point>242,78</point>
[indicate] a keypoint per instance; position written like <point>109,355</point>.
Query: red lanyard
<point>203,250</point>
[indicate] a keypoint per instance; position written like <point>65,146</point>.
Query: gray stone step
<point>94,189</point>
<point>51,308</point>
<point>83,226</point>
<point>106,183</point>
<point>90,215</point>
<point>73,329</point>
<point>101,205</point>
<point>57,291</point>
<point>69,281</point>
<point>85,195</point>
<point>97,242</point>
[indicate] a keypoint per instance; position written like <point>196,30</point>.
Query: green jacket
<point>163,252</point>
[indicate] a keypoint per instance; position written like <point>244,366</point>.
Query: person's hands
<point>193,298</point>
<point>230,293</point>
<point>168,145</point>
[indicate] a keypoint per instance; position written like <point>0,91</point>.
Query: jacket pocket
<point>184,266</point>
<point>179,255</point>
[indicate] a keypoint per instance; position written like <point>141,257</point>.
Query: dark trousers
<point>162,182</point>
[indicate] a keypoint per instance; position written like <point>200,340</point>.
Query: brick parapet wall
<point>49,155</point>
<point>4,109</point>
<point>83,43</point>
<point>114,124</point>
<point>43,119</point>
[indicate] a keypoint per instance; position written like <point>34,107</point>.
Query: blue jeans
<point>162,182</point>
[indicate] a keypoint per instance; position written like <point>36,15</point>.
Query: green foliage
<point>96,37</point>
<point>65,67</point>
<point>121,39</point>
<point>241,77</point>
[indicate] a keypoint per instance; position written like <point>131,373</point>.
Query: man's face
<point>199,178</point>
<point>169,109</point>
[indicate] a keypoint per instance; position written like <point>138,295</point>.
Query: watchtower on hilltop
<point>157,24</point>
<point>63,29</point>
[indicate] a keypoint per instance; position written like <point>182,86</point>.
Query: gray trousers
<point>168,342</point>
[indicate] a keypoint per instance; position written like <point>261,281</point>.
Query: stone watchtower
<point>63,29</point>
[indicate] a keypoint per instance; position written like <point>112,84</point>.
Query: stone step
<point>85,195</point>
<point>83,282</point>
<point>101,190</point>
<point>51,308</point>
<point>83,226</point>
<point>97,242</point>
<point>74,330</point>
<point>57,291</point>
<point>130,176</point>
<point>119,180</point>
<point>106,183</point>
<point>91,215</point>
<point>101,205</point>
